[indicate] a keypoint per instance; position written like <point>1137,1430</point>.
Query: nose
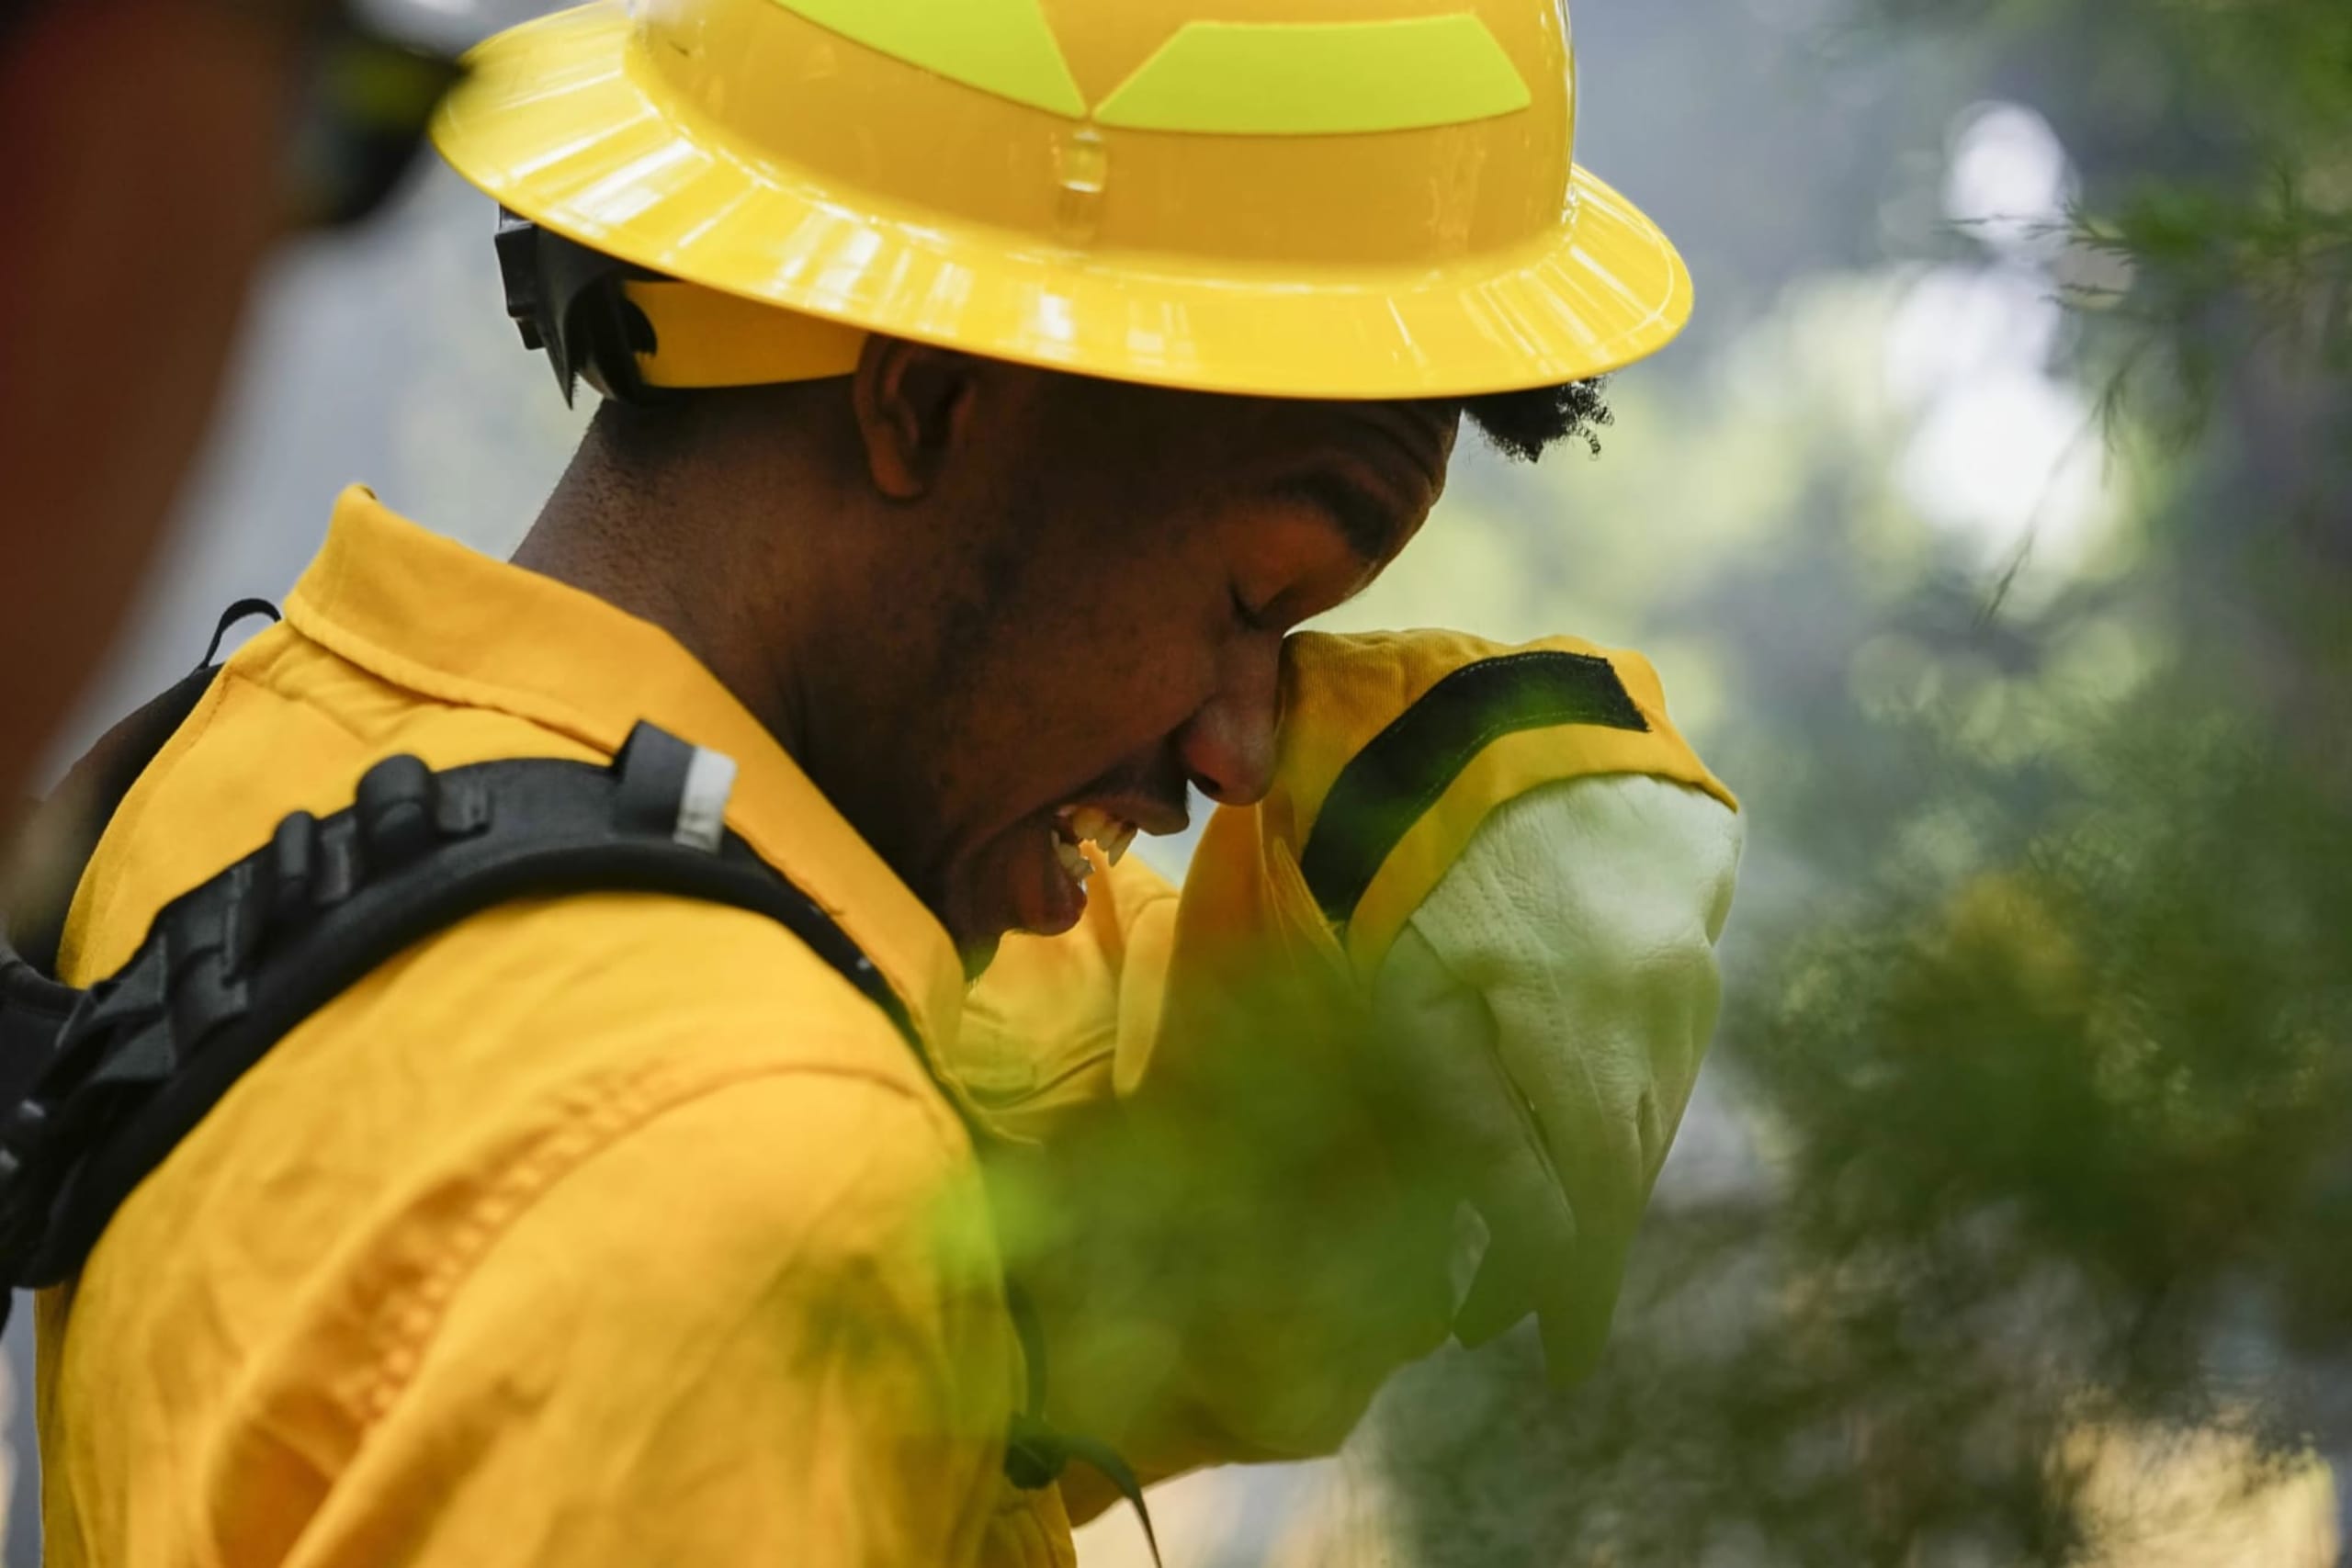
<point>1227,745</point>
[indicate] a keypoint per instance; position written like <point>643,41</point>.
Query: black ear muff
<point>569,301</point>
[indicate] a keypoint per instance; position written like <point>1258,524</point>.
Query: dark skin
<point>965,593</point>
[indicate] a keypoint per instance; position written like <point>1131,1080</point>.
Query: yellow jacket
<point>617,1228</point>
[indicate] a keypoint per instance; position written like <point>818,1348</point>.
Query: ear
<point>913,404</point>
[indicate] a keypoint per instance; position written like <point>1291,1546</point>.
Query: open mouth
<point>1051,897</point>
<point>1077,825</point>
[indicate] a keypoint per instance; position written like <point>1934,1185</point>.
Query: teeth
<point>1110,834</point>
<point>1073,860</point>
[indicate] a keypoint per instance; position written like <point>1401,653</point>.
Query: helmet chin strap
<point>634,334</point>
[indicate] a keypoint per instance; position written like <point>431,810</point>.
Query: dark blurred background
<point>1989,528</point>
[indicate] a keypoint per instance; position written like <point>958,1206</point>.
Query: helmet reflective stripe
<point>1226,78</point>
<point>1320,78</point>
<point>998,46</point>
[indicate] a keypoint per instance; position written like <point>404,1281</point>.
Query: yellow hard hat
<point>1343,198</point>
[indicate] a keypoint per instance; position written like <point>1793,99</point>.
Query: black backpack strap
<point>64,829</point>
<point>33,1010</point>
<point>233,965</point>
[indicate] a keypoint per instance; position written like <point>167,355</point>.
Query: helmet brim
<point>552,123</point>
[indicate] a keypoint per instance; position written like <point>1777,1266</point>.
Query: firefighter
<point>990,388</point>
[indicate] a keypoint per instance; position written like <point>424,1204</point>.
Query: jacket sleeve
<point>1227,1246</point>
<point>716,1341</point>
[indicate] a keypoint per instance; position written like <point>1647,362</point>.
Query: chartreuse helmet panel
<point>1354,198</point>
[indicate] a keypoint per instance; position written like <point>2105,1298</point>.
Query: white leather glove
<point>1545,1010</point>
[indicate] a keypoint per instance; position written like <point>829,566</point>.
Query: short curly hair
<point>1522,425</point>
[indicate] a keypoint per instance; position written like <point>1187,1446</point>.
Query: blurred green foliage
<point>2038,1063</point>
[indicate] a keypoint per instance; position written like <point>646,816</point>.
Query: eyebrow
<point>1367,523</point>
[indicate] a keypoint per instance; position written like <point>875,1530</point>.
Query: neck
<point>654,542</point>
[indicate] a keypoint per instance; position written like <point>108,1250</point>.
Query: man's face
<point>1105,577</point>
